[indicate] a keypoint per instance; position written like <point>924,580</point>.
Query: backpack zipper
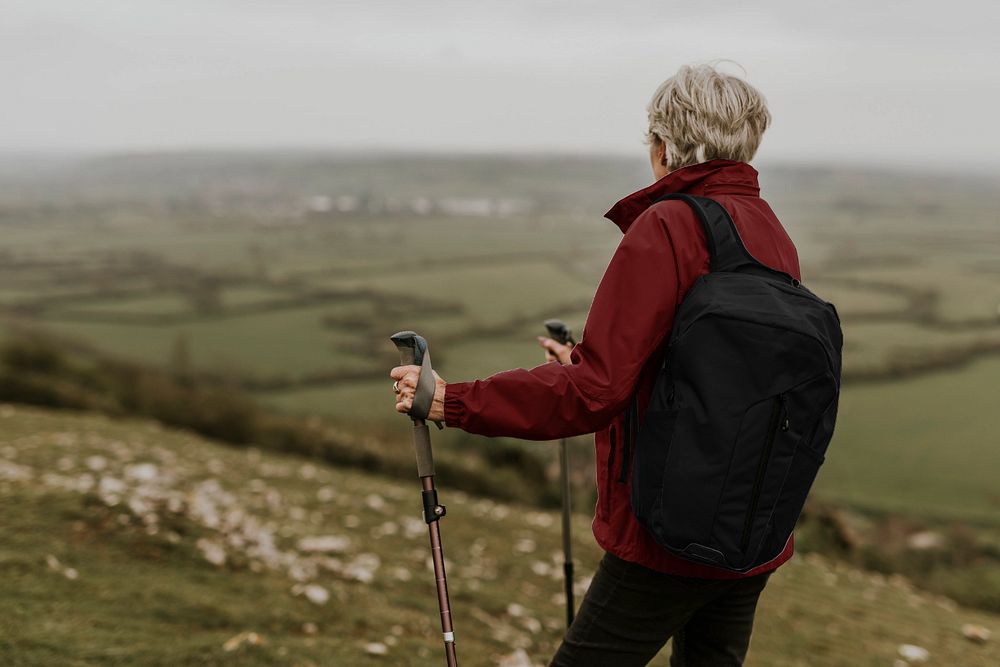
<point>779,418</point>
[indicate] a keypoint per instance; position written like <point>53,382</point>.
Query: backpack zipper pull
<point>784,412</point>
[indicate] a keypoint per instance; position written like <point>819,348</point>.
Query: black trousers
<point>630,611</point>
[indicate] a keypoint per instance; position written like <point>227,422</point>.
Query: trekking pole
<point>413,350</point>
<point>562,334</point>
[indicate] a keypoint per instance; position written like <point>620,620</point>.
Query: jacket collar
<point>705,178</point>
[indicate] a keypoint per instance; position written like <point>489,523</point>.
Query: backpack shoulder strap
<point>725,247</point>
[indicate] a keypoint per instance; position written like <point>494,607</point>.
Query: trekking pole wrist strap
<point>423,396</point>
<point>413,351</point>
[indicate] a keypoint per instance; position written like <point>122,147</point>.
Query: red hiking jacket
<point>662,252</point>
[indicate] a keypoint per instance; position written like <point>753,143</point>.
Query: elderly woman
<point>704,127</point>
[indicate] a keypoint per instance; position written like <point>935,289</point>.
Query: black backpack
<point>742,410</point>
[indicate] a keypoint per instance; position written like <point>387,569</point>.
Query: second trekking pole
<point>559,332</point>
<point>413,351</point>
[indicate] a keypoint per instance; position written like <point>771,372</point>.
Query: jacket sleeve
<point>630,316</point>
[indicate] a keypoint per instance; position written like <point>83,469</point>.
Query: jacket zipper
<point>777,420</point>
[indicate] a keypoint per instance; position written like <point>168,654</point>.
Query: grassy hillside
<point>122,543</point>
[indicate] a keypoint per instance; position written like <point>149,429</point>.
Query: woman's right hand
<point>556,351</point>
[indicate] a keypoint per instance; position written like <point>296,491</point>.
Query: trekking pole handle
<point>411,346</point>
<point>413,351</point>
<point>559,332</point>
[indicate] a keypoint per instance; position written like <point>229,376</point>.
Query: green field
<point>287,341</point>
<point>922,446</point>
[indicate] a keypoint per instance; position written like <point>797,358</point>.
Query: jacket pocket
<point>606,483</point>
<point>629,427</point>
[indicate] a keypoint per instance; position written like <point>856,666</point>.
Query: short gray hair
<point>701,113</point>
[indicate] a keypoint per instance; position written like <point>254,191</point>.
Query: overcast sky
<point>908,83</point>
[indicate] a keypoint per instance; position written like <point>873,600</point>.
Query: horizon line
<point>829,162</point>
